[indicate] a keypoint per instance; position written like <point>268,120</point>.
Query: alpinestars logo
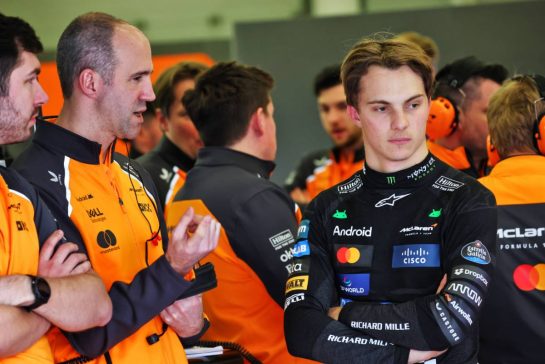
<point>165,175</point>
<point>56,178</point>
<point>390,201</point>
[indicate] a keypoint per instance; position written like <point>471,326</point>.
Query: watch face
<point>43,288</point>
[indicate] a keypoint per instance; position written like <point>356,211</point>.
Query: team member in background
<point>379,244</point>
<point>513,320</point>
<point>109,205</point>
<point>232,109</point>
<point>169,162</point>
<point>38,287</point>
<point>457,124</point>
<point>149,136</point>
<point>322,169</point>
<point>427,44</point>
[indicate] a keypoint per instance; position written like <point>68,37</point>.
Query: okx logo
<point>527,277</point>
<point>354,284</point>
<point>106,239</point>
<point>354,255</point>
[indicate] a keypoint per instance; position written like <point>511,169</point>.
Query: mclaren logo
<point>521,233</point>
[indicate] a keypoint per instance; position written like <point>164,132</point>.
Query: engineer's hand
<point>62,262</point>
<point>185,316</point>
<point>184,251</point>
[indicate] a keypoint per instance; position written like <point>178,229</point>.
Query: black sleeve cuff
<point>193,340</point>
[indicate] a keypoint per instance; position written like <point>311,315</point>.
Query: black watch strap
<point>41,290</point>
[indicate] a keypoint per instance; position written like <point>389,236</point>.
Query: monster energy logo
<point>390,180</point>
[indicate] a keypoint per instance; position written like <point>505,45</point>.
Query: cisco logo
<point>416,255</point>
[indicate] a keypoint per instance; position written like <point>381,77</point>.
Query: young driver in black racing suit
<point>372,252</point>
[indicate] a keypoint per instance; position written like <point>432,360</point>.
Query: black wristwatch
<point>41,290</point>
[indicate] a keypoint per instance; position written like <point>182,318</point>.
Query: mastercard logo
<point>348,255</point>
<point>528,277</point>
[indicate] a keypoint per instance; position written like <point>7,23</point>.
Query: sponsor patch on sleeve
<point>459,309</point>
<point>297,297</point>
<point>297,283</point>
<point>476,252</point>
<point>302,231</point>
<point>465,290</point>
<point>301,249</point>
<point>471,273</point>
<point>298,266</point>
<point>281,239</point>
<point>450,329</point>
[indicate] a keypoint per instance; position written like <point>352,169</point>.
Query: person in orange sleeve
<point>170,161</point>
<point>108,204</point>
<point>232,109</point>
<point>512,320</point>
<point>43,280</point>
<point>457,125</point>
<point>322,169</point>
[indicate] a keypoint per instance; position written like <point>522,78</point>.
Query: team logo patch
<point>447,184</point>
<point>351,186</point>
<point>416,256</point>
<point>301,249</point>
<point>354,255</point>
<point>476,252</point>
<point>302,232</point>
<point>354,284</point>
<point>297,283</point>
<point>390,201</point>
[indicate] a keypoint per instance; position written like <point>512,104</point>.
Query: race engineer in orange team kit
<point>108,203</point>
<point>43,280</point>
<point>232,108</point>
<point>372,251</point>
<point>513,321</point>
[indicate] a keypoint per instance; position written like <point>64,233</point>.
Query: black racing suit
<point>379,245</point>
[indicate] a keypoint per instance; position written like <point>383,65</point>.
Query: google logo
<point>348,255</point>
<point>528,277</point>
